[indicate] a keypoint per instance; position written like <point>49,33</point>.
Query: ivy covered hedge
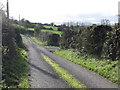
<point>98,40</point>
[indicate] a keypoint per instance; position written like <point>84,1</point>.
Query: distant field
<point>53,27</point>
<point>19,26</point>
<point>31,29</point>
<point>52,31</point>
<point>22,27</point>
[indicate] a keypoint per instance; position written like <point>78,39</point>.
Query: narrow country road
<point>43,76</point>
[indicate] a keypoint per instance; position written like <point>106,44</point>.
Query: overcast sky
<point>58,11</point>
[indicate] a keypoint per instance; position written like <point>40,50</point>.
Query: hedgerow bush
<point>101,41</point>
<point>49,37</point>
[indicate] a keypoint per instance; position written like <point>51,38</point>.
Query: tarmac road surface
<point>42,75</point>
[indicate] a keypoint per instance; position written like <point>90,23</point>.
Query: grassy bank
<point>106,68</point>
<point>15,71</point>
<point>71,81</point>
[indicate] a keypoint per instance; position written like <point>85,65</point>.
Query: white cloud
<point>61,10</point>
<point>91,19</point>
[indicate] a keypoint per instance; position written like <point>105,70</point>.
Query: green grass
<point>19,26</point>
<point>105,68</point>
<point>71,81</point>
<point>22,27</point>
<point>52,31</point>
<point>31,29</point>
<point>38,41</point>
<point>43,30</point>
<point>16,71</point>
<point>53,27</point>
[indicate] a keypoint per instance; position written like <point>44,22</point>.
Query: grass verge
<point>71,81</point>
<point>38,41</point>
<point>105,68</point>
<point>15,71</point>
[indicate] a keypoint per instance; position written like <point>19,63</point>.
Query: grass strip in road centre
<point>71,81</point>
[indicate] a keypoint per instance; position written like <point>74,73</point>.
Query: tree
<point>25,23</point>
<point>52,24</point>
<point>105,22</point>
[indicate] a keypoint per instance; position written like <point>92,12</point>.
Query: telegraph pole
<point>19,18</point>
<point>10,33</point>
<point>8,12</point>
<point>119,12</point>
